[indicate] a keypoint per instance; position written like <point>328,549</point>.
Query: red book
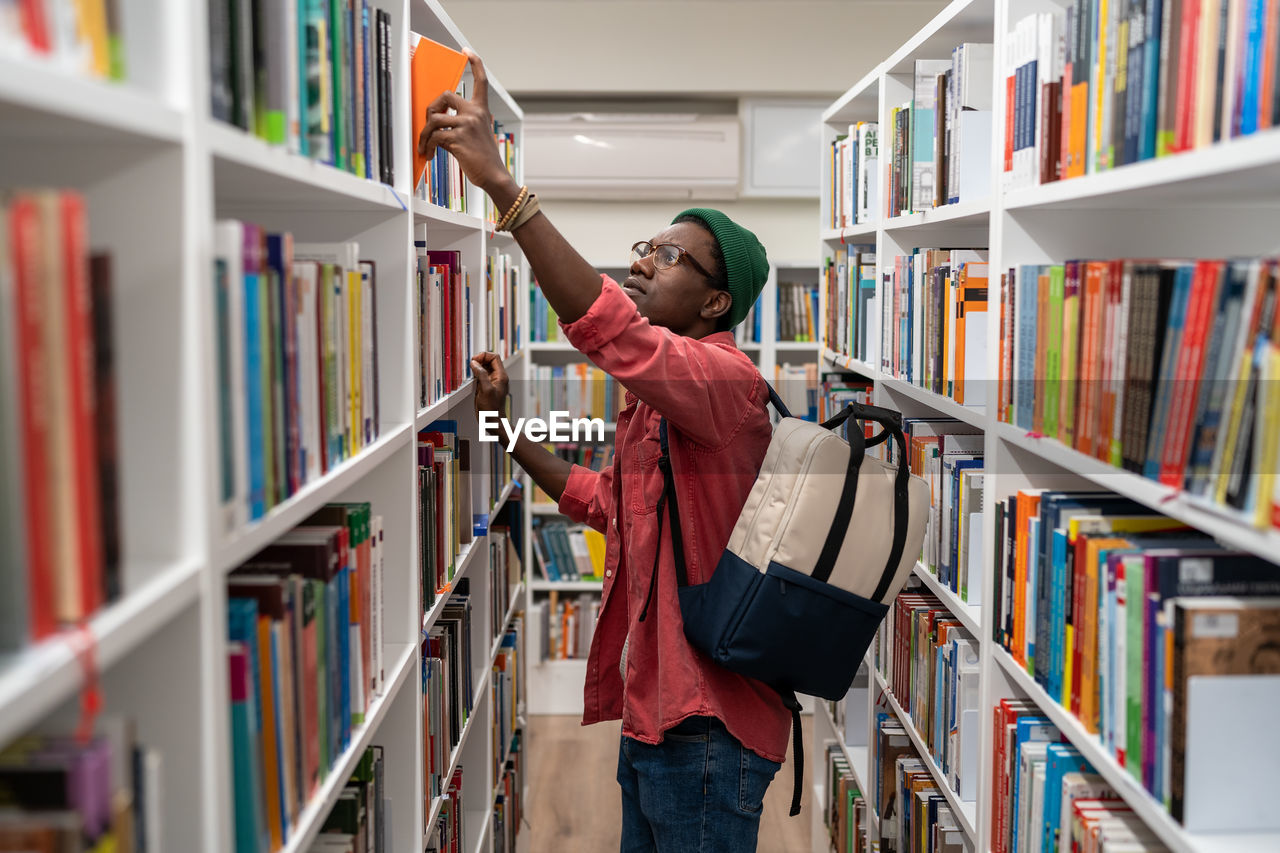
<point>1184,121</point>
<point>78,303</point>
<point>34,24</point>
<point>1201,312</point>
<point>26,240</point>
<point>1009,101</point>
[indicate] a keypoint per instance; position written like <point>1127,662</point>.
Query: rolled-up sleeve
<point>705,390</point>
<point>588,497</point>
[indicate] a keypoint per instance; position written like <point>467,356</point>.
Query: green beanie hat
<point>745,262</point>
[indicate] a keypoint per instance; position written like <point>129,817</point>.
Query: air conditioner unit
<point>632,156</point>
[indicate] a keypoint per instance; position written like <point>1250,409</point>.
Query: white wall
<point>553,47</point>
<point>603,232</point>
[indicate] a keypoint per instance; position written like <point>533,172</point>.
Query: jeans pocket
<point>753,781</point>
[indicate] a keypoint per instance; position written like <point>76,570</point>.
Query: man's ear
<point>717,305</point>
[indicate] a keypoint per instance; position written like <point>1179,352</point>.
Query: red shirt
<point>715,402</point>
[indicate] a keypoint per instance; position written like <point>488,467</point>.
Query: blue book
<point>1028,276</point>
<point>1061,759</point>
<point>278,280</point>
<point>1150,82</point>
<point>1255,14</point>
<point>242,630</point>
<point>1158,429</point>
<point>1033,565</point>
<point>1029,729</point>
<point>344,654</point>
<point>250,826</point>
<point>1057,615</point>
<point>253,393</point>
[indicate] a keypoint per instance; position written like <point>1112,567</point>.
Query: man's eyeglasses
<point>665,256</point>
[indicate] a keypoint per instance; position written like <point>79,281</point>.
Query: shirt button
<point>615,522</point>
<point>608,573</point>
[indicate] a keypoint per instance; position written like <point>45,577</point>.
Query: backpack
<point>826,539</point>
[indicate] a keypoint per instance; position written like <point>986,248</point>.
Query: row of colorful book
<point>1047,797</point>
<point>1102,83</point>
<point>852,319</point>
<point>448,688</point>
<point>934,326</point>
<point>507,692</point>
<point>1160,367</point>
<point>939,141</point>
<point>544,324</point>
<point>508,805</point>
<point>296,330</point>
<point>568,552</point>
<point>314,76</point>
<point>797,385</point>
<point>1116,611</point>
<point>499,313</point>
<point>844,813</point>
<point>853,165</point>
<point>568,623</point>
<point>445,312</point>
<point>61,548</point>
<point>930,664</point>
<point>913,812</point>
<point>836,392</point>
<point>509,152</point>
<point>505,569</point>
<point>797,311</point>
<point>594,457</point>
<point>583,390</point>
<point>358,821</point>
<point>447,834</point>
<point>66,793</point>
<point>304,651</point>
<point>82,38</point>
<point>445,519</point>
<point>948,454</point>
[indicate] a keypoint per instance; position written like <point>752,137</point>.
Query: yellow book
<point>355,353</point>
<point>1267,434</point>
<point>1097,145</point>
<point>93,28</point>
<point>1233,426</point>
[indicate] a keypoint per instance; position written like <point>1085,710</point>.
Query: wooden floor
<point>574,805</point>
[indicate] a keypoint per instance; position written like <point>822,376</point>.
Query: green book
<point>1053,350</point>
<point>337,42</point>
<point>1135,609</point>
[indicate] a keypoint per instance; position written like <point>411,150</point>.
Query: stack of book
<point>934,327</point>
<point>445,314</point>
<point>853,164</point>
<point>505,570</point>
<point>845,812</point>
<point>850,282</point>
<point>913,812</point>
<point>797,385</point>
<point>949,455</point>
<point>83,38</point>
<point>499,318</point>
<point>568,625</point>
<point>297,363</point>
<point>506,689</point>
<point>357,823</point>
<point>797,311</point>
<point>313,76</point>
<point>568,552</point>
<point>1096,85</point>
<point>1115,617</point>
<point>62,792</point>
<point>930,663</point>
<point>445,519</point>
<point>1159,367</point>
<point>507,149</point>
<point>448,692</point>
<point>592,456</point>
<point>447,835</point>
<point>508,805</point>
<point>939,144</point>
<point>304,651</point>
<point>582,390</point>
<point>60,528</point>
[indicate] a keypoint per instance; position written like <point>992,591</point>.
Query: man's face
<point>677,298</point>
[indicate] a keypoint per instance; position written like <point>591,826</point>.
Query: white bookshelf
<point>157,173</point>
<point>1210,202</point>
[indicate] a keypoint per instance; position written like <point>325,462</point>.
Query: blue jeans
<point>699,791</point>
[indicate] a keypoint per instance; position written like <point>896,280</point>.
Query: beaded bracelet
<point>515,207</point>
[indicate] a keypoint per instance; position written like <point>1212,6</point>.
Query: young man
<point>700,744</point>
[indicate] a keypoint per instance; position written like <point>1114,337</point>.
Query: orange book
<point>973,299</point>
<point>270,764</point>
<point>433,70</point>
<point>1094,580</point>
<point>1028,506</point>
<point>1079,128</point>
<point>1088,399</point>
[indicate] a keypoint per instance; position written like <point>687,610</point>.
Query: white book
<point>369,386</point>
<point>306,276</point>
